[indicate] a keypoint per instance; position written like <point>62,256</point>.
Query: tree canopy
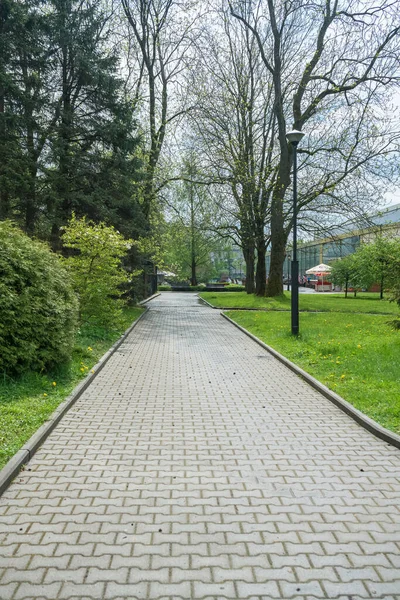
<point>99,103</point>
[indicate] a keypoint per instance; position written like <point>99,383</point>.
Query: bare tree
<point>160,42</point>
<point>329,61</point>
<point>235,121</point>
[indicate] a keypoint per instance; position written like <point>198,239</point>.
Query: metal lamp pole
<point>294,138</point>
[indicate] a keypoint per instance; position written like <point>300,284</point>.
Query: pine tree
<point>67,133</point>
<point>93,143</point>
<point>24,74</point>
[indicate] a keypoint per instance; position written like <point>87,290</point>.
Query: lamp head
<point>294,136</point>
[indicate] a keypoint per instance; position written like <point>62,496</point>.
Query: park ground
<point>348,344</point>
<point>26,402</point>
<point>196,465</point>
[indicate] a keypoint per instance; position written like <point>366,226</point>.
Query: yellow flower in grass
<point>54,384</point>
<point>342,376</point>
<point>82,370</point>
<point>45,395</point>
<point>90,349</point>
<point>358,345</point>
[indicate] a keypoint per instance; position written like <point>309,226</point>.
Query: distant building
<point>345,240</point>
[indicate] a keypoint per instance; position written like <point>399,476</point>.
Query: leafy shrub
<point>186,287</point>
<point>38,306</point>
<point>164,288</point>
<point>96,269</point>
<point>234,287</point>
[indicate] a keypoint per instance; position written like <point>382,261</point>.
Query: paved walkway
<point>197,466</point>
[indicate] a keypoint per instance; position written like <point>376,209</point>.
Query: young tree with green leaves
<point>95,265</point>
<point>377,262</point>
<point>344,271</point>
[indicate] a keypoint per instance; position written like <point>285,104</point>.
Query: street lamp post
<point>294,138</point>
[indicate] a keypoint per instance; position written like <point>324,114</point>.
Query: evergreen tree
<point>24,67</point>
<point>67,133</point>
<point>92,145</point>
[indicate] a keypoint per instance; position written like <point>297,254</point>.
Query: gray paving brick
<point>126,591</point>
<point>161,575</point>
<point>7,591</point>
<point>30,590</point>
<point>33,576</point>
<point>96,574</point>
<point>268,589</point>
<point>176,590</point>
<point>213,590</point>
<point>192,469</point>
<point>71,590</point>
<point>356,588</point>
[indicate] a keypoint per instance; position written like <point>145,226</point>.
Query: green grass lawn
<point>26,403</point>
<point>356,355</point>
<point>364,303</point>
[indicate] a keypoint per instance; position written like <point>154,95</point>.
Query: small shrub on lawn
<point>164,288</point>
<point>38,305</point>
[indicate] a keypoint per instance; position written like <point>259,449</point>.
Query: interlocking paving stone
<point>197,466</point>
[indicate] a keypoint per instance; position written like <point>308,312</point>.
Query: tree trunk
<point>248,255</point>
<point>30,199</point>
<point>4,205</point>
<point>193,279</point>
<point>193,261</point>
<point>148,196</point>
<point>278,246</point>
<point>30,210</point>
<point>278,233</point>
<point>4,197</point>
<point>261,272</point>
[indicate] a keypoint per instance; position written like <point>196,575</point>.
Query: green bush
<point>38,306</point>
<point>164,288</point>
<point>96,270</point>
<point>234,287</point>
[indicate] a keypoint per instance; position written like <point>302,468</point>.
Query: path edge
<point>369,424</point>
<point>22,456</point>
<point>149,298</point>
<point>207,303</point>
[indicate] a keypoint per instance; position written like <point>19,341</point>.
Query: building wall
<point>338,246</point>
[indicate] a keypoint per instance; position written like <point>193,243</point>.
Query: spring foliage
<point>96,269</point>
<point>38,306</point>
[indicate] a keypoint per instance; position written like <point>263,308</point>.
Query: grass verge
<point>355,355</point>
<point>27,402</point>
<point>363,303</point>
